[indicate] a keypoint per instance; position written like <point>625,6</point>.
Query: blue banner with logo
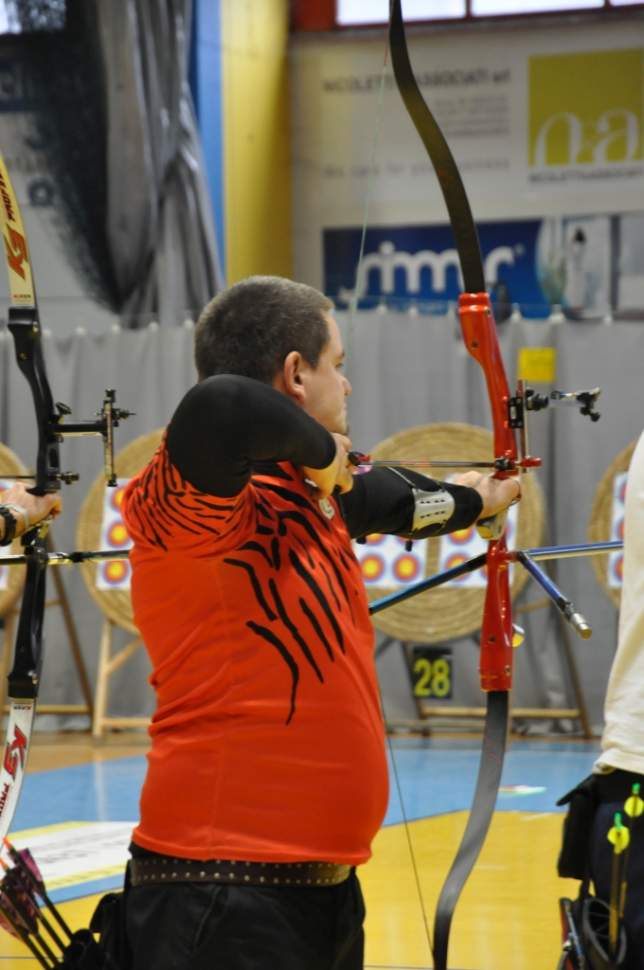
<point>588,265</point>
<point>419,264</point>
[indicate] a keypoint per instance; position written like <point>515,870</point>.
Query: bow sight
<point>585,399</point>
<point>527,399</point>
<point>108,418</point>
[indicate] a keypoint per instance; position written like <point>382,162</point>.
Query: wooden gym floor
<point>80,800</point>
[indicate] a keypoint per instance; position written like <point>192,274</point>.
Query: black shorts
<point>192,926</point>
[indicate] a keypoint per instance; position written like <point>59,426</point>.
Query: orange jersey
<point>268,740</point>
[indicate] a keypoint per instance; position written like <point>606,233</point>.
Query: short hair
<point>250,328</point>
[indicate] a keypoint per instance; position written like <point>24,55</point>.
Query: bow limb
<point>25,673</point>
<point>479,334</point>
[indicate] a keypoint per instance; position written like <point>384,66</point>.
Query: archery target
<point>607,523</point>
<point>101,526</point>
<point>458,547</point>
<point>386,561</point>
<point>456,609</point>
<point>114,574</point>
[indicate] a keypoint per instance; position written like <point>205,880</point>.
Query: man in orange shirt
<point>267,777</point>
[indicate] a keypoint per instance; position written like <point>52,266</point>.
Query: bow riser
<point>496,657</point>
<point>479,334</point>
<point>24,677</point>
<point>25,329</point>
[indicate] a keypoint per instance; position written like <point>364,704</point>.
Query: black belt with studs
<point>162,872</point>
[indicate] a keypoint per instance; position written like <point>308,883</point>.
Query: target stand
<point>100,526</point>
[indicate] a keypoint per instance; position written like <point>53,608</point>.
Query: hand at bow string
<point>338,474</point>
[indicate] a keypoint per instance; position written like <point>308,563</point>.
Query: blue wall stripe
<point>206,82</point>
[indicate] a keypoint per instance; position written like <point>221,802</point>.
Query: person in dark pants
<point>619,770</point>
<point>267,777</point>
<point>613,789</point>
<point>621,763</point>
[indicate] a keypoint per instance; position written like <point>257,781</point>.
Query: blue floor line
<point>436,776</point>
<point>105,791</point>
<point>82,889</point>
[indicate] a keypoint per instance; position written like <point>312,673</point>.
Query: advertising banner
<point>588,265</point>
<point>547,128</point>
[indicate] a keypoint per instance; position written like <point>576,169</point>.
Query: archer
<point>267,779</point>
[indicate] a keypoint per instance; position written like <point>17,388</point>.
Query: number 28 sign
<point>431,672</point>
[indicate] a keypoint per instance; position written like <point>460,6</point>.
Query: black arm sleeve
<point>381,501</point>
<point>226,422</point>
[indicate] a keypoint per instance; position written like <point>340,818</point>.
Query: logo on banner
<point>586,108</point>
<point>436,267</point>
<point>419,263</point>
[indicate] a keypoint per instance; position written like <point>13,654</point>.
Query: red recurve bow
<point>480,336</point>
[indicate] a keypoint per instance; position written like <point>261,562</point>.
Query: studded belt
<point>158,872</point>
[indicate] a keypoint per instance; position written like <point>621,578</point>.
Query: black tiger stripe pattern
<point>318,600</point>
<point>299,574</point>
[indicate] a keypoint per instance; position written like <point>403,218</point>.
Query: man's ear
<point>289,379</point>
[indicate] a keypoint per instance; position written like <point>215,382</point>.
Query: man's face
<point>326,386</point>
